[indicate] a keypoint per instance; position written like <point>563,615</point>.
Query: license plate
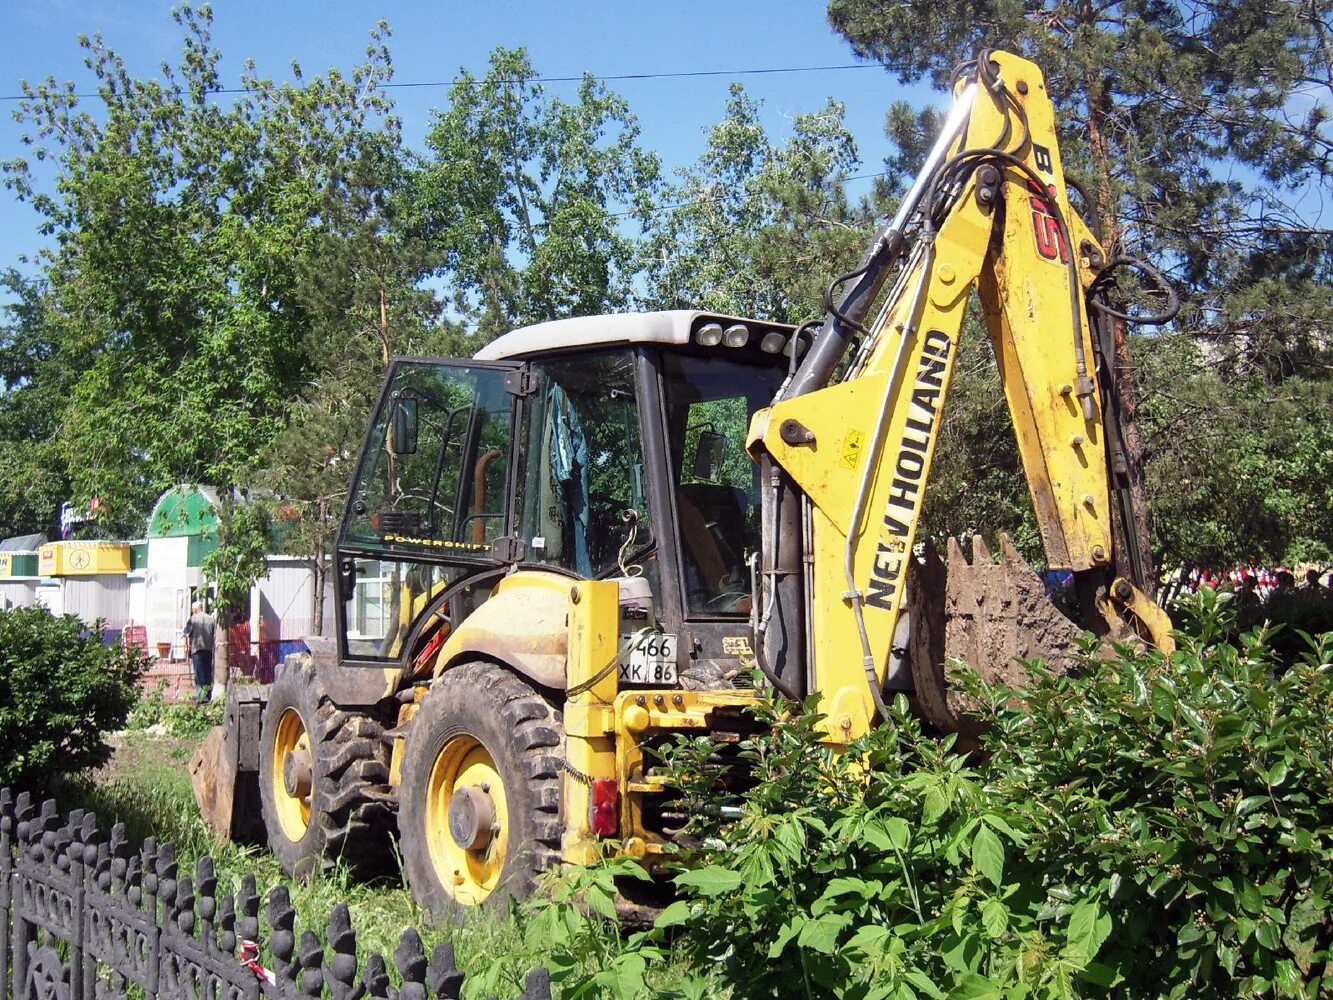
<point>651,659</point>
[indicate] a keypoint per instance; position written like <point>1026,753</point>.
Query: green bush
<point>60,690</point>
<point>189,721</point>
<point>1194,796</point>
<point>891,870</point>
<point>907,878</point>
<point>182,720</point>
<point>1297,611</point>
<point>1153,826</point>
<point>150,709</point>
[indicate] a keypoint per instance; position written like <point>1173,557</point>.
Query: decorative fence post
<point>84,917</point>
<point>6,883</point>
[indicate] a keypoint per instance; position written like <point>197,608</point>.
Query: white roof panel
<point>671,326</point>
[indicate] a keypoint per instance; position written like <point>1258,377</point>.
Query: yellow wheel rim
<point>468,875</point>
<point>293,810</point>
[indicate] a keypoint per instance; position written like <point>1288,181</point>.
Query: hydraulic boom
<point>847,457</point>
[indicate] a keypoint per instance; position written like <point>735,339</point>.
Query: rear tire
<point>483,749</point>
<point>339,809</point>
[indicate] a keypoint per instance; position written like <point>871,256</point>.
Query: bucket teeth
<point>980,551</point>
<point>991,613</point>
<point>1009,554</point>
<point>954,553</point>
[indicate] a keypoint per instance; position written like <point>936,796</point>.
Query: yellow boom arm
<point>992,218</point>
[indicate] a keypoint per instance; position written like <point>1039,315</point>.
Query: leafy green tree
<point>364,295</point>
<point>182,223</point>
<point>529,195</point>
<point>234,566</point>
<point>33,384</point>
<point>1238,469</point>
<point>756,228</point>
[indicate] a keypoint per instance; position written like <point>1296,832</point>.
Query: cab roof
<point>669,326</point>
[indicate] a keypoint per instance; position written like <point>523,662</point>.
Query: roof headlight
<point>737,335</point>
<point>773,343</point>
<point>708,335</point>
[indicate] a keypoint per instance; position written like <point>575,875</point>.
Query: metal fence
<point>84,916</point>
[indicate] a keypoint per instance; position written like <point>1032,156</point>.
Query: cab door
<point>430,505</point>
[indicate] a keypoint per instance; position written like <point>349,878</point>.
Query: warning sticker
<point>851,449</point>
<point>736,645</point>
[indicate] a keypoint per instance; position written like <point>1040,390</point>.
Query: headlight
<point>737,335</point>
<point>709,335</point>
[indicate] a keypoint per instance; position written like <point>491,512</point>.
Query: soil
<point>991,613</point>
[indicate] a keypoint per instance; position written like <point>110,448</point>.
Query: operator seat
<point>711,515</point>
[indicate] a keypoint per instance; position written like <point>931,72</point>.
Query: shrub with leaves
<point>1194,794</point>
<point>890,870</point>
<point>1299,612</point>
<point>905,879</point>
<point>60,690</point>
<point>150,710</point>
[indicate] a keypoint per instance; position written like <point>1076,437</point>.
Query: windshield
<point>709,402</point>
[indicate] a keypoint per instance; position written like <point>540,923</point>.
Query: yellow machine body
<point>859,452</point>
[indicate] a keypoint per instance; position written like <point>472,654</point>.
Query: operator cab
<point>597,447</point>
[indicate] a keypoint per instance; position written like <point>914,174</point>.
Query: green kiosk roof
<point>184,510</point>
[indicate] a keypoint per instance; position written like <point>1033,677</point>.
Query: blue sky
<point>433,40</point>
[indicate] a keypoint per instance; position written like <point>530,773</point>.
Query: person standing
<point>200,632</point>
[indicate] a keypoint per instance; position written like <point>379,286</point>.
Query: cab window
<point>436,466</point>
<point>709,403</point>
<point>583,498</point>
<point>385,601</point>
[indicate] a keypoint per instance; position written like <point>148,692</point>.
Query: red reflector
<point>604,809</point>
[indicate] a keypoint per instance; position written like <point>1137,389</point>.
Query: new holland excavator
<point>594,535</point>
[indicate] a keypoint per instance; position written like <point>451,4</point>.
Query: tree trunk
<point>1140,531</point>
<point>221,654</point>
<point>317,612</point>
<point>385,353</point>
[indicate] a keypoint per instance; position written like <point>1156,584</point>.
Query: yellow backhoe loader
<point>567,550</point>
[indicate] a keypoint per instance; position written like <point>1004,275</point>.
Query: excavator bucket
<point>992,613</point>
<point>224,771</point>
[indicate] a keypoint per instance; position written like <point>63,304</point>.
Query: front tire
<point>479,803</point>
<point>323,775</point>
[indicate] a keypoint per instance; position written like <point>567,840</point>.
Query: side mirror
<point>403,428</point>
<point>709,452</point>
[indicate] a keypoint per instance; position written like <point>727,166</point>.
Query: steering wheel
<point>731,592</point>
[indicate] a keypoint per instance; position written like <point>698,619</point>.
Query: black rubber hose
<point>1163,287</point>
